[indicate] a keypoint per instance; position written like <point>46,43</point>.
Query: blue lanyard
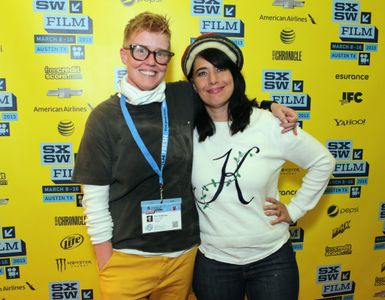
<point>147,155</point>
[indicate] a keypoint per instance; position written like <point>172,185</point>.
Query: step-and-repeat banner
<point>60,58</point>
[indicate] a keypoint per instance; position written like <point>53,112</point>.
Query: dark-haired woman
<point>238,154</point>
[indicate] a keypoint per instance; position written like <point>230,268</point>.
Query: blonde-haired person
<point>134,162</point>
<point>238,154</point>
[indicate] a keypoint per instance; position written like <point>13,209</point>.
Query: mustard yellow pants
<point>134,277</point>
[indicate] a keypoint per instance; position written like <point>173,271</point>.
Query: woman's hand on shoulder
<point>287,116</point>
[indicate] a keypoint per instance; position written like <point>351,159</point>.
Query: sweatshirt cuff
<point>295,212</point>
<point>265,104</point>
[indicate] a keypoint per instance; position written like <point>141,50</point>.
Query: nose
<point>212,78</point>
<point>150,60</point>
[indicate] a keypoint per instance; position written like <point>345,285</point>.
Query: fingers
<point>277,209</point>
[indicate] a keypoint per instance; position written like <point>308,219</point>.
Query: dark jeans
<point>272,278</point>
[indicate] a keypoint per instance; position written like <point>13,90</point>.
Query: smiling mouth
<point>215,90</point>
<point>148,73</point>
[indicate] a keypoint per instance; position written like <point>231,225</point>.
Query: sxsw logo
<point>298,101</point>
<point>12,272</point>
<point>12,248</point>
<point>56,153</point>
<point>276,80</point>
<point>382,211</point>
<point>68,290</point>
<point>7,101</point>
<point>340,149</point>
<point>227,27</point>
<point>346,11</point>
<point>57,6</point>
<point>8,232</point>
<point>351,169</point>
<point>61,175</point>
<point>68,24</point>
<point>206,7</point>
<point>3,86</point>
<point>328,273</point>
<point>357,33</point>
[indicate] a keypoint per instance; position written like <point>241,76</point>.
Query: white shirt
<point>246,167</point>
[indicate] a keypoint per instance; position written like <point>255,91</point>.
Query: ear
<point>194,87</point>
<point>123,55</point>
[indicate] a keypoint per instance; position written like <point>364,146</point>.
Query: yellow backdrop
<point>60,58</point>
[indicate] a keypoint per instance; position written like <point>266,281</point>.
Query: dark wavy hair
<point>240,106</point>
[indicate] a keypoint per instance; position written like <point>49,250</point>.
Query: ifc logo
<point>66,127</point>
<point>287,36</point>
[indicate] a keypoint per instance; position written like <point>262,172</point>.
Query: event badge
<point>161,215</point>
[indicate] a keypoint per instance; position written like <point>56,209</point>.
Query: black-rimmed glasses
<point>140,53</point>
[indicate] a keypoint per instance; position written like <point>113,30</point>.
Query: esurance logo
<point>56,153</point>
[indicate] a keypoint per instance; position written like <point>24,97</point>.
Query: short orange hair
<point>146,21</point>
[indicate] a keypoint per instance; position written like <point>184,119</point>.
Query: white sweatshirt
<point>249,164</point>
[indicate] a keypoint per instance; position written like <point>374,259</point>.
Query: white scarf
<point>137,97</point>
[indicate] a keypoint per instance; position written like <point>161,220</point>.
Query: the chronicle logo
<point>287,55</point>
<point>350,122</point>
<point>334,210</point>
<point>72,241</point>
<point>70,220</point>
<point>348,97</point>
<point>341,229</point>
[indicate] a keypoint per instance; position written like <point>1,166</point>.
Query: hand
<point>277,209</point>
<point>287,116</point>
<point>103,252</point>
